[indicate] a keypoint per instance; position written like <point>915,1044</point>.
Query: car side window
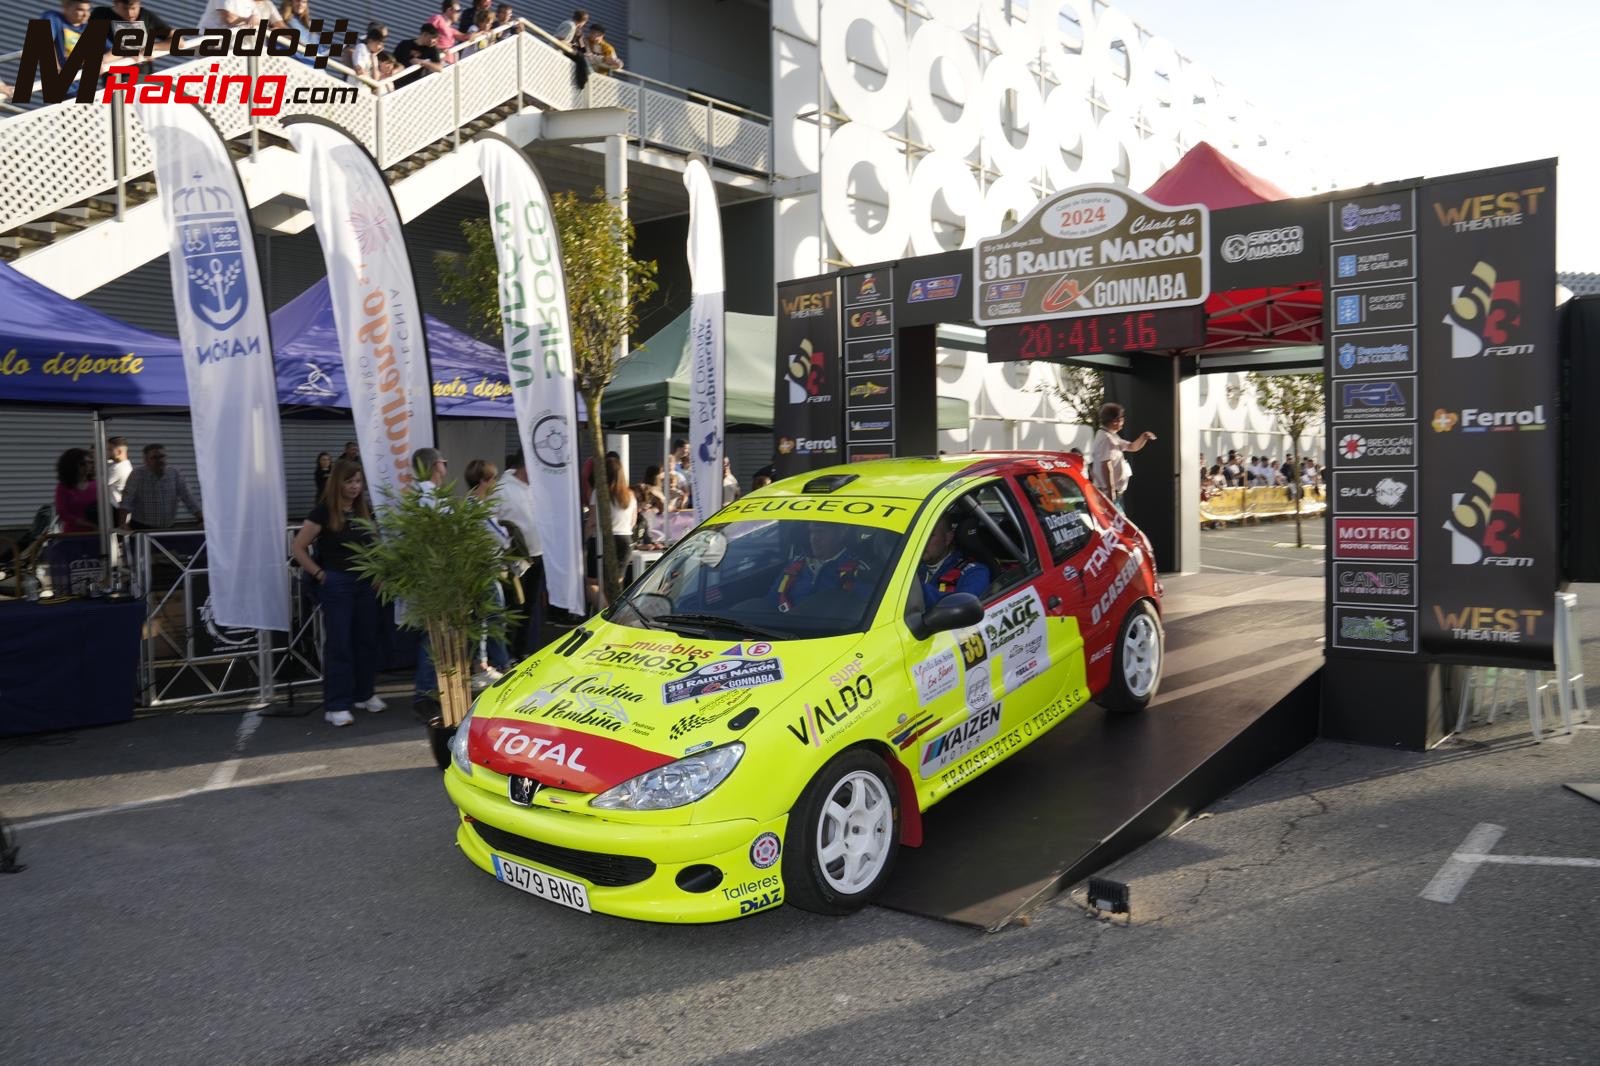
<point>992,531</point>
<point>1063,513</point>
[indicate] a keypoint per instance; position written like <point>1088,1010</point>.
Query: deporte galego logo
<point>79,76</point>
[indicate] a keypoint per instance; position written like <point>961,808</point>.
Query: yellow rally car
<point>765,715</point>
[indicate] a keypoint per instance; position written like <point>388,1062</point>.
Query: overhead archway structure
<point>1424,304</point>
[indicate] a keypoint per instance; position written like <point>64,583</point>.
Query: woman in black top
<point>349,602</point>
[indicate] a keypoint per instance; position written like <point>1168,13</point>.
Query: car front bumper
<point>665,865</point>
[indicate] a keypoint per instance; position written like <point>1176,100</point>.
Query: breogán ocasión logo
<point>99,38</point>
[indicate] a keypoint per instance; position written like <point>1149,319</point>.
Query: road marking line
<point>185,794</point>
<point>1259,555</point>
<point>1532,860</point>
<point>1458,869</point>
<point>223,775</point>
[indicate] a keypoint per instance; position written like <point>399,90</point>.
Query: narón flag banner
<point>538,340</point>
<point>706,361</point>
<point>227,358</point>
<point>375,307</point>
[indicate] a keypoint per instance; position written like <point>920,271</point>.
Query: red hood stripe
<point>563,758</point>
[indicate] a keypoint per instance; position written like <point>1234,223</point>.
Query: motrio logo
<point>80,75</point>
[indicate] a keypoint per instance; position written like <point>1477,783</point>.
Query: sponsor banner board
<point>1375,538</point>
<point>1384,629</point>
<point>869,356</point>
<point>1277,243</point>
<point>933,288</point>
<point>1376,492</point>
<point>1375,584</point>
<point>1383,259</point>
<point>1375,306</point>
<point>1375,400</point>
<point>1374,215</point>
<point>1392,444</point>
<point>869,390</point>
<point>808,403</point>
<point>875,426</point>
<point>1091,250</point>
<point>1489,395</point>
<point>869,287</point>
<point>875,320</point>
<point>1369,354</point>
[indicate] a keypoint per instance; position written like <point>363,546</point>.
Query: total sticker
<point>764,850</point>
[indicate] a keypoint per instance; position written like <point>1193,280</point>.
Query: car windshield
<point>765,579</point>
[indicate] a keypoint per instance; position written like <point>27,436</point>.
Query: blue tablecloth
<point>65,665</point>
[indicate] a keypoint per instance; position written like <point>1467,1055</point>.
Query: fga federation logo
<point>1485,525</point>
<point>1483,315</point>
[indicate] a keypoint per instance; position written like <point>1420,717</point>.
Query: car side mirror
<point>959,610</point>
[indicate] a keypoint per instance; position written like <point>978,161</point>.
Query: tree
<point>1079,389</point>
<point>605,286</point>
<point>1296,401</point>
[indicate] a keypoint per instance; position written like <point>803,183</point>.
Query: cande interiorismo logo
<point>79,75</point>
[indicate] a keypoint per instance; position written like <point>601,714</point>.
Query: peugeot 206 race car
<point>763,717</point>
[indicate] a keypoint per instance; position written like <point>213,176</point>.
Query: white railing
<point>54,156</point>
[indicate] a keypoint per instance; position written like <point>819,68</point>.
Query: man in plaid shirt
<point>150,499</point>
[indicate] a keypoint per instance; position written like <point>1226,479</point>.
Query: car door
<point>1103,573</point>
<point>967,687</point>
<point>1069,532</point>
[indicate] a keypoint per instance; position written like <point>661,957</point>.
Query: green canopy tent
<point>652,382</point>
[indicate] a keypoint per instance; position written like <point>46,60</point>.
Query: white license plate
<point>545,886</point>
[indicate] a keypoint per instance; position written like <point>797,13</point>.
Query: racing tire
<point>1135,661</point>
<point>843,836</point>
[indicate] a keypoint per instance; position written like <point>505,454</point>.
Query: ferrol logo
<point>1091,250</point>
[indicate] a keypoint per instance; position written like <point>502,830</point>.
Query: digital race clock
<point>1163,329</point>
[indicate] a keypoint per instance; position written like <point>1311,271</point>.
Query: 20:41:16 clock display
<point>1164,329</point>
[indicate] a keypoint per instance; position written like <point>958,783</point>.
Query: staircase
<point>78,200</point>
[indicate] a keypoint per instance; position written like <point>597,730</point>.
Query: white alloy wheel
<point>1141,656</point>
<point>855,833</point>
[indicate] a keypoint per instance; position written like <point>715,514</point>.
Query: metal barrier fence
<point>1262,501</point>
<point>55,156</point>
<point>185,656</point>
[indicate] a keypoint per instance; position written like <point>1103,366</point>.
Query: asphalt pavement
<point>1267,547</point>
<point>217,888</point>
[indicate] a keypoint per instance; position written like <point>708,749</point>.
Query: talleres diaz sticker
<point>722,675</point>
<point>962,740</point>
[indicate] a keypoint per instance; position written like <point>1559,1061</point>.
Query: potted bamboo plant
<point>438,561</point>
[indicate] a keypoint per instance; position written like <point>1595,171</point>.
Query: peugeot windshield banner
<point>807,401</point>
<point>1487,391</point>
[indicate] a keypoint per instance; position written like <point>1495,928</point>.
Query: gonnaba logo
<point>78,75</point>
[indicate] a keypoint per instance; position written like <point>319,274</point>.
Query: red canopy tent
<point>1279,316</point>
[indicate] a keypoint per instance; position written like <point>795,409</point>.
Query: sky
<point>1391,89</point>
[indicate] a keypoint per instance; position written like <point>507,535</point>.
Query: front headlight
<point>674,784</point>
<point>458,745</point>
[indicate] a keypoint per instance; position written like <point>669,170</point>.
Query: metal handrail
<point>393,129</point>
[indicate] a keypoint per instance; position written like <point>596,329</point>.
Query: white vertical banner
<point>227,358</point>
<point>706,359</point>
<point>375,307</point>
<point>538,341</point>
